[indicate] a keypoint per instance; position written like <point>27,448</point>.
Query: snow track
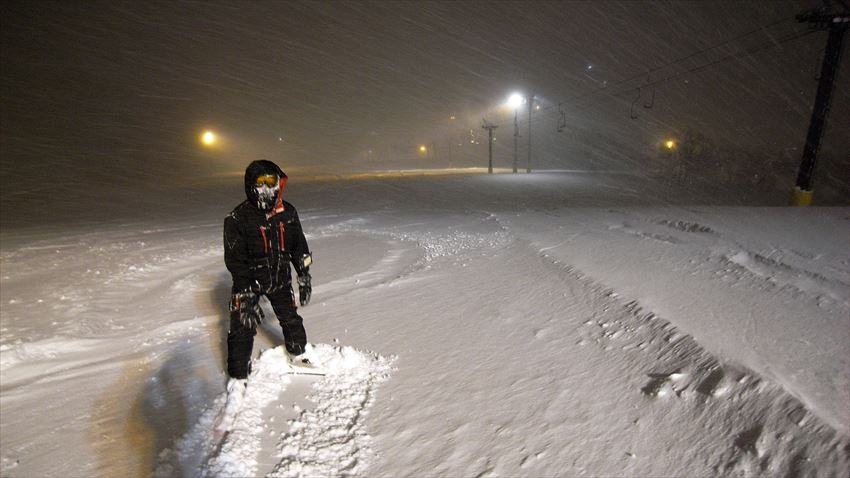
<point>328,438</point>
<point>331,439</point>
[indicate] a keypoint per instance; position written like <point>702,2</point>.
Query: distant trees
<point>695,158</point>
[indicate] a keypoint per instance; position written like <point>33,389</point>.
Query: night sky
<point>91,89</point>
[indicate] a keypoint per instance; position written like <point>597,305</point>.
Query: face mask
<point>266,196</point>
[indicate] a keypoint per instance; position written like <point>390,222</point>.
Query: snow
<point>552,324</point>
<point>324,441</point>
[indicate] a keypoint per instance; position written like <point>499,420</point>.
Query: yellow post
<point>800,197</point>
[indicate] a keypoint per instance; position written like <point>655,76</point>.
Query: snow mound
<point>228,440</point>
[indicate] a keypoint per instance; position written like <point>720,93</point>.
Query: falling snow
<point>642,295</point>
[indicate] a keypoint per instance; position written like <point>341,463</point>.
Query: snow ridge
<point>762,423</point>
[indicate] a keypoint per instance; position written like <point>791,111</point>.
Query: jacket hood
<point>258,168</point>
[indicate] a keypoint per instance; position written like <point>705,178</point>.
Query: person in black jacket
<point>262,237</point>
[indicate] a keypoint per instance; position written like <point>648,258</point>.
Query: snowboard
<point>311,368</point>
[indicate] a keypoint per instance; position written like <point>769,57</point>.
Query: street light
<point>515,101</point>
<point>208,138</point>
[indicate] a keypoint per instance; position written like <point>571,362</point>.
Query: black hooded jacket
<point>259,245</point>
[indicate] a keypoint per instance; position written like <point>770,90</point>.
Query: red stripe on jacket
<point>265,239</point>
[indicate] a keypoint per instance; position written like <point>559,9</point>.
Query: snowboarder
<point>262,236</point>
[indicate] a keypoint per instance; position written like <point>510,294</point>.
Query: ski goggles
<point>266,180</point>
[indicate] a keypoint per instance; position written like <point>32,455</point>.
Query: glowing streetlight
<point>515,100</point>
<point>208,138</point>
<point>670,144</point>
<point>423,149</point>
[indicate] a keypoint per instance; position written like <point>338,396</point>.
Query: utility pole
<point>837,25</point>
<point>530,107</point>
<point>490,127</point>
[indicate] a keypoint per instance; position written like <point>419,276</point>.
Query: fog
<point>111,97</point>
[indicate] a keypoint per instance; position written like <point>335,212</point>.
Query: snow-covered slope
<point>531,325</point>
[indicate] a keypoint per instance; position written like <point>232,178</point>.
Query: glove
<point>305,290</point>
<point>247,304</point>
<point>302,268</point>
<point>302,264</point>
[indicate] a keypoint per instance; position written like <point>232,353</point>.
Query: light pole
<point>530,106</point>
<point>514,101</point>
<point>516,139</point>
<point>451,130</point>
<point>490,127</point>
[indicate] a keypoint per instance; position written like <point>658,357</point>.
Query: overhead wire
<point>748,51</point>
<point>691,55</point>
<point>546,111</point>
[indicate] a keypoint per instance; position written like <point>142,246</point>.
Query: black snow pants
<point>240,339</point>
